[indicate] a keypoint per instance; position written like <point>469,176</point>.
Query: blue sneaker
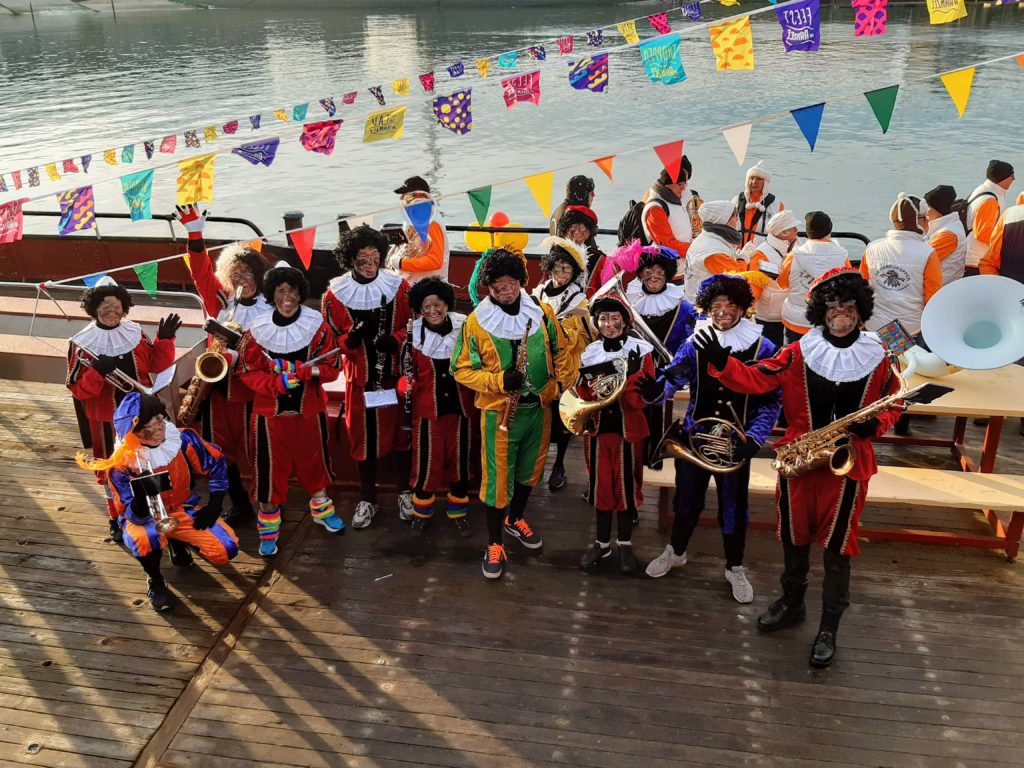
<point>332,523</point>
<point>268,547</point>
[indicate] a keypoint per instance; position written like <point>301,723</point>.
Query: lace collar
<point>740,337</point>
<point>595,353</point>
<point>654,304</point>
<point>246,315</point>
<point>500,323</point>
<point>110,343</point>
<point>163,454</point>
<point>434,345</point>
<point>850,364</point>
<point>356,295</point>
<point>288,338</point>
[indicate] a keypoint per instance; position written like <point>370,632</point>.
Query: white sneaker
<point>364,514</point>
<point>665,562</point>
<point>742,589</point>
<point>405,506</point>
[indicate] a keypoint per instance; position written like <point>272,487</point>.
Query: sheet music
<point>164,378</point>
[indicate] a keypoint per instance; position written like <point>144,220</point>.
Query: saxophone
<point>692,205</point>
<point>211,366</point>
<point>508,415</point>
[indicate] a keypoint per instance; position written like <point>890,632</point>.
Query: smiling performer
<point>225,413</point>
<point>368,309</point>
<point>284,359</point>
<point>832,371</point>
<point>112,343</point>
<point>512,353</point>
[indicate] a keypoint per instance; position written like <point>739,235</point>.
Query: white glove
<point>191,218</point>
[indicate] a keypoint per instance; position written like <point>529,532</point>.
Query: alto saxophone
<point>696,225</point>
<point>508,415</point>
<point>211,366</point>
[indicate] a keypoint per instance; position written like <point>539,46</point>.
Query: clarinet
<point>381,333</point>
<point>407,372</point>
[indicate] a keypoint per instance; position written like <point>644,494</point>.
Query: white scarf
<point>846,364</point>
<point>110,343</point>
<point>500,323</point>
<point>285,339</point>
<point>356,295</point>
<point>595,353</point>
<point>163,454</point>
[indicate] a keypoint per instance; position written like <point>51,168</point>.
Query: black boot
<point>116,534</point>
<point>824,648</point>
<point>159,595</point>
<point>627,560</point>
<point>241,506</point>
<point>181,555</point>
<point>595,555</point>
<point>784,612</point>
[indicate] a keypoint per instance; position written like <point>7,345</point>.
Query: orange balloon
<point>499,219</point>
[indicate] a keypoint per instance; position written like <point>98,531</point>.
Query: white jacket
<point>678,218</point>
<point>896,265</point>
<point>952,265</point>
<point>769,305</point>
<point>811,259</point>
<point>976,248</point>
<point>705,245</point>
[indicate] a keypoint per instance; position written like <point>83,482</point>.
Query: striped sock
<point>457,506</point>
<point>268,522</point>
<point>423,507</point>
<point>321,508</point>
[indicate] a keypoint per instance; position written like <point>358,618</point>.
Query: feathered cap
<point>634,255</point>
<point>571,248</point>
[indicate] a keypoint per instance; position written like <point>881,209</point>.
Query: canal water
<point>80,82</point>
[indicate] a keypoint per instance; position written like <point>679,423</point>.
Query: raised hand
<point>168,326</point>
<point>706,341</point>
<point>191,218</point>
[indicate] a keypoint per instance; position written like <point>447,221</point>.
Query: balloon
<point>499,219</point>
<point>481,241</point>
<point>517,240</point>
<point>478,241</point>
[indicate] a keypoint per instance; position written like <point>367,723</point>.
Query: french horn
<point>710,444</point>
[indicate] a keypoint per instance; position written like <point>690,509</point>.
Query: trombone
<point>117,378</point>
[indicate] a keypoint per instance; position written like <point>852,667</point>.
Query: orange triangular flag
<point>188,262</point>
<point>605,164</point>
<point>1020,60</point>
<point>958,84</point>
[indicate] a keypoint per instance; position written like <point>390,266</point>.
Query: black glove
<point>387,344</point>
<point>747,450</point>
<point>354,340</point>
<point>867,428</point>
<point>512,380</point>
<point>633,361</point>
<point>104,365</point>
<point>650,388</point>
<point>207,516</point>
<point>168,327</point>
<point>707,342</point>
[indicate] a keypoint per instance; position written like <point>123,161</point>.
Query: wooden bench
<point>900,487</point>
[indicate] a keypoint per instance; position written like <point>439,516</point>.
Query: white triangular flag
<point>738,138</point>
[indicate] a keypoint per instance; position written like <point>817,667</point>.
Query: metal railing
<point>169,218</point>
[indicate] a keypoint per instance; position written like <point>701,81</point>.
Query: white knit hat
<point>760,172</point>
<point>716,212</point>
<point>782,221</point>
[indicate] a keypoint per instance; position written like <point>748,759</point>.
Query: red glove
<point>191,219</point>
<point>403,386</point>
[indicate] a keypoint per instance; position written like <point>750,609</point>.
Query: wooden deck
<point>374,650</point>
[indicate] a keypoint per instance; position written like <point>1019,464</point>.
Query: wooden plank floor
<point>375,650</point>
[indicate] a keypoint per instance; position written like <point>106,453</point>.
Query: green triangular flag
<point>882,102</point>
<point>480,199</point>
<point>147,276</point>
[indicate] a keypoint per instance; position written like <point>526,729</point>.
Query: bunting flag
<point>349,98</point>
<point>733,44</point>
<point>870,17</point>
<point>86,161</point>
<point>521,88</point>
<point>1020,60</point>
<point>33,177</point>
<point>958,84</point>
<point>671,157</point>
<point>11,221</point>
<point>809,121</point>
<point>3,184</point>
<point>230,127</point>
<point>51,171</point>
<point>427,81</point>
<point>730,3</point>
<point>458,69</point>
<point>661,59</point>
<point>149,147</point>
<point>378,93</point>
<point>191,139</point>
<point>945,11</point>
<point>299,112</point>
<point>541,185</point>
<point>70,167</point>
<point>605,164</point>
<point>455,112</point>
<point>595,38</point>
<point>482,65</point>
<point>508,60</point>
<point>169,144</point>
<point>302,242</point>
<point>110,156</point>
<point>589,74</point>
<point>565,44</point>
<point>329,106</point>
<point>660,22</point>
<point>319,137</point>
<point>128,154</point>
<point>692,11</point>
<point>77,210</point>
<point>883,102</point>
<point>738,137</point>
<point>628,30</point>
<point>281,115</point>
<point>801,26</point>
<point>400,86</point>
<point>195,180</point>
<point>258,152</point>
<point>209,133</point>
<point>538,53</point>
<point>480,199</point>
<point>137,190</point>
<point>384,124</point>
<point>91,280</point>
<point>254,122</point>
<point>16,176</point>
<point>148,277</point>
<point>419,214</point>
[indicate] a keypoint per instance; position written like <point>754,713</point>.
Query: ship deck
<point>375,650</point>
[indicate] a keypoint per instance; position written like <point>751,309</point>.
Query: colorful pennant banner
<point>628,30</point>
<point>541,186</point>
<point>12,221</point>
<point>384,124</point>
<point>77,210</point>
<point>605,164</point>
<point>480,200</point>
<point>427,81</point>
<point>660,23</point>
<point>883,102</point>
<point>195,180</point>
<point>870,17</point>
<point>319,137</point>
<point>801,26</point>
<point>661,59</point>
<point>590,74</point>
<point>738,137</point>
<point>733,44</point>
<point>958,84</point>
<point>508,60</point>
<point>400,86</point>
<point>521,88</point>
<point>809,121</point>
<point>137,190</point>
<point>945,11</point>
<point>258,152</point>
<point>455,112</point>
<point>302,242</point>
<point>565,44</point>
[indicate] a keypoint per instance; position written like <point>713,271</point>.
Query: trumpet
<point>151,481</point>
<point>117,378</point>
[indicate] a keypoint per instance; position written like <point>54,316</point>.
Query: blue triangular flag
<point>809,120</point>
<point>419,216</point>
<point>91,280</point>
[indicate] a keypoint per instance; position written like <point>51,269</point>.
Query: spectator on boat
<point>715,250</point>
<point>668,216</point>
<point>368,309</point>
<point>946,233</point>
<point>148,442</point>
<point>1005,254</point>
<point>805,263</point>
<point>110,344</point>
<point>756,205</point>
<point>224,412</point>
<point>767,257</point>
<point>579,225</point>
<point>579,190</point>
<point>415,260</point>
<point>984,206</point>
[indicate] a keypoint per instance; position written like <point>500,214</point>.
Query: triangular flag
<point>541,186</point>
<point>959,86</point>
<point>419,216</point>
<point>147,276</point>
<point>280,114</point>
<point>1020,60</point>
<point>738,137</point>
<point>671,156</point>
<point>809,120</point>
<point>480,199</point>
<point>299,112</point>
<point>605,164</point>
<point>302,242</point>
<point>91,280</point>
<point>883,101</point>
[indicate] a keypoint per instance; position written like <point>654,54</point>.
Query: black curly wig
<point>610,304</point>
<point>656,259</point>
<point>355,240</point>
<point>431,286</point>
<point>555,255</point>
<point>500,263</point>
<point>281,275</point>
<point>735,288</point>
<point>845,287</point>
<point>93,297</point>
<point>569,218</point>
<point>149,407</point>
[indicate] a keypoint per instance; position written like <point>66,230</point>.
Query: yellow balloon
<point>478,241</point>
<point>517,240</point>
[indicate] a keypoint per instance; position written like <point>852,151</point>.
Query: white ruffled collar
<point>595,353</point>
<point>570,298</point>
<point>246,315</point>
<point>433,344</point>
<point>356,295</point>
<point>500,323</point>
<point>740,337</point>
<point>164,453</point>
<point>109,343</point>
<point>851,363</point>
<point>285,339</point>
<point>654,304</point>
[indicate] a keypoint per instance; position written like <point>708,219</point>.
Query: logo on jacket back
<point>893,277</point>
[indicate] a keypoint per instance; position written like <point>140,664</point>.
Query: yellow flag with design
<point>195,180</point>
<point>400,87</point>
<point>110,156</point>
<point>384,124</point>
<point>733,44</point>
<point>945,11</point>
<point>482,66</point>
<point>51,171</point>
<point>280,114</point>
<point>628,30</point>
<point>209,133</point>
